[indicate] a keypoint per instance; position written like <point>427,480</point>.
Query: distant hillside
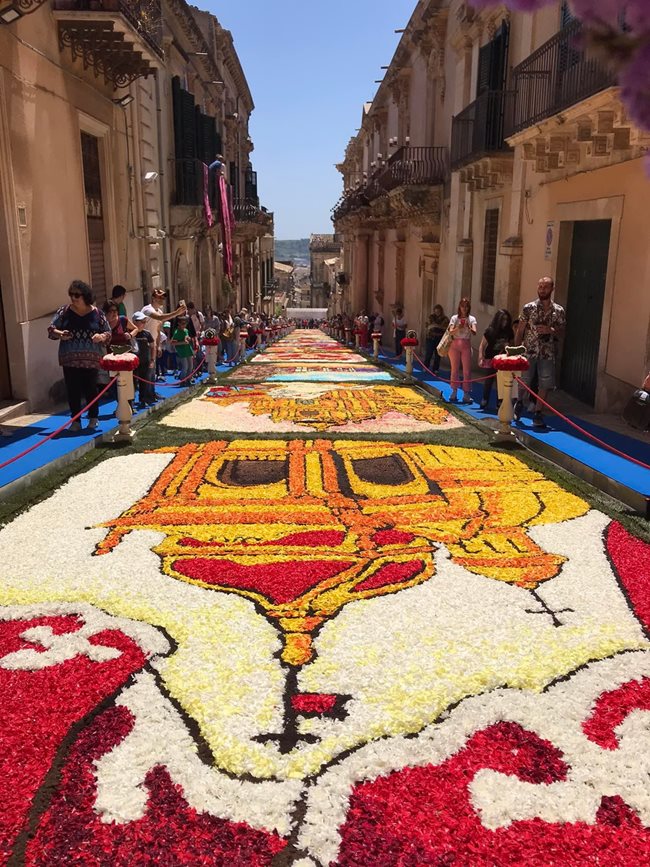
<point>298,249</point>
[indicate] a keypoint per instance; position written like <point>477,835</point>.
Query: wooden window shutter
<point>484,65</point>
<point>490,244</point>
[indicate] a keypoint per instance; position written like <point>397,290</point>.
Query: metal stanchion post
<point>376,338</point>
<point>409,343</point>
<point>513,361</point>
<point>211,344</point>
<point>123,365</point>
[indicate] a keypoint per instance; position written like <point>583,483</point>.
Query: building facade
<point>108,113</point>
<point>322,248</point>
<point>494,152</point>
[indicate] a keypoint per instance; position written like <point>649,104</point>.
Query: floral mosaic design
<point>292,648</point>
<point>301,372</point>
<point>312,408</point>
<point>322,652</point>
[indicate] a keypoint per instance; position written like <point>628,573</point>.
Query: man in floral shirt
<point>541,326</point>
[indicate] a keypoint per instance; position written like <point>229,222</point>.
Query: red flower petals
<point>170,833</point>
<point>392,537</point>
<point>510,362</point>
<point>612,708</point>
<point>313,702</point>
<point>39,708</point>
<point>125,361</point>
<point>631,559</point>
<point>421,816</point>
<point>279,582</point>
<point>393,573</point>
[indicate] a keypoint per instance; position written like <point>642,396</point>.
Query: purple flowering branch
<point>619,32</point>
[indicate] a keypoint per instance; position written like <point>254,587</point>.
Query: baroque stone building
<point>495,151</point>
<point>108,112</point>
<point>322,248</point>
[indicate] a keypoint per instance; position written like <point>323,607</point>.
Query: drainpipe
<point>163,187</point>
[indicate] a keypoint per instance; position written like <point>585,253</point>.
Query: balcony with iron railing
<point>351,201</point>
<point>415,166</point>
<point>120,40</point>
<point>248,210</point>
<point>478,130</point>
<point>557,75</point>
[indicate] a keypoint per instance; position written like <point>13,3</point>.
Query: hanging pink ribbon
<point>209,218</point>
<point>226,226</point>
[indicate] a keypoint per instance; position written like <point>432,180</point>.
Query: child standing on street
<point>146,368</point>
<point>182,341</point>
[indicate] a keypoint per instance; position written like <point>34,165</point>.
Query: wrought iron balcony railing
<point>478,130</point>
<point>555,76</point>
<point>249,211</point>
<point>350,201</point>
<point>415,166</point>
<point>373,189</point>
<point>120,40</point>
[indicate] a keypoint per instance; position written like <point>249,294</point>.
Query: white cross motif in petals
<point>58,649</point>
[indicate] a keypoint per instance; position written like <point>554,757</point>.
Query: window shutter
<point>566,15</point>
<point>492,62</point>
<point>234,179</point>
<point>484,66</point>
<point>499,58</point>
<point>251,185</point>
<point>490,242</point>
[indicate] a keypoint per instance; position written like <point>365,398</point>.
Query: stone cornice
<point>404,207</point>
<point>593,133</point>
<point>184,14</point>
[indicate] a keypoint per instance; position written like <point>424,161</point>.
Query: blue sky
<point>310,65</point>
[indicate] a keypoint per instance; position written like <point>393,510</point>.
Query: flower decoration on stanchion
<point>506,365</point>
<point>123,365</point>
<point>409,343</point>
<point>376,340</point>
<point>210,341</point>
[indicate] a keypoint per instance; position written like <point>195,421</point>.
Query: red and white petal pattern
<point>72,831</point>
<point>55,670</point>
<point>523,773</point>
<point>469,720</point>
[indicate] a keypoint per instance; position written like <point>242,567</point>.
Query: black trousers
<point>81,382</point>
<point>145,389</point>
<point>432,354</point>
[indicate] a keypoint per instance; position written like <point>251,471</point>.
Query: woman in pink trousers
<point>461,326</point>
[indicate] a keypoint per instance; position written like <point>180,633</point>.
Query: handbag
<point>637,410</point>
<point>445,342</point>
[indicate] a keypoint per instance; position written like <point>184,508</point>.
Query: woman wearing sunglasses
<point>83,332</point>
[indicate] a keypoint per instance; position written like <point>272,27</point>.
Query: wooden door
<point>585,299</point>
<point>94,214</point>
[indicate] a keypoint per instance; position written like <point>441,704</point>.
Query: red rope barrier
<point>58,430</point>
<point>169,384</point>
<point>580,429</point>
<point>442,379</point>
